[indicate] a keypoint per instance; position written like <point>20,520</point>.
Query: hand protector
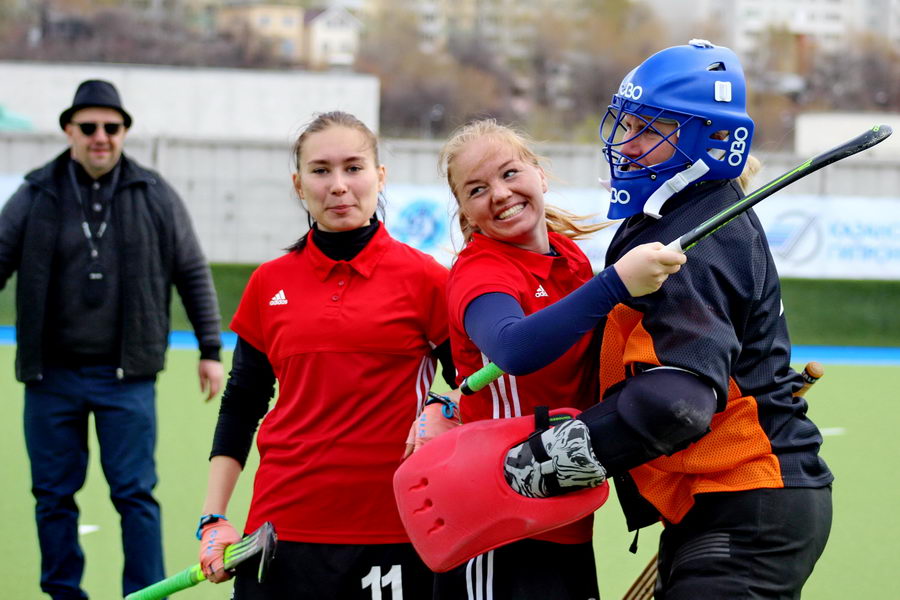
<point>554,462</point>
<point>439,415</point>
<point>214,538</point>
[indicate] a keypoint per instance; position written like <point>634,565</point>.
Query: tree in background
<point>117,31</point>
<point>609,40</point>
<point>789,74</point>
<point>862,77</point>
<point>570,57</point>
<point>559,90</point>
<point>426,94</point>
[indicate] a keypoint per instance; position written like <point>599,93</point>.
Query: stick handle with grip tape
<point>645,584</point>
<point>480,379</point>
<point>262,541</point>
<point>877,134</point>
<point>175,583</point>
<point>811,374</point>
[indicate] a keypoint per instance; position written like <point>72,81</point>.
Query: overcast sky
<point>680,16</point>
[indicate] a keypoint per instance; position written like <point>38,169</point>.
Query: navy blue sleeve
<point>520,345</point>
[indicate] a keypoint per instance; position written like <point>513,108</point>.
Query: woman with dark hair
<point>350,323</point>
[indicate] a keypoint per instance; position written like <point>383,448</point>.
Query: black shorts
<point>525,570</point>
<point>303,571</point>
<point>753,544</point>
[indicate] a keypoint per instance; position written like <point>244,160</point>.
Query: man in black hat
<point>98,241</point>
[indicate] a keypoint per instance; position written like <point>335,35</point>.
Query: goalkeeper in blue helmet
<point>677,119</point>
<point>698,425</point>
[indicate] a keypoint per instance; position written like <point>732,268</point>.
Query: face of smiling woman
<point>338,179</point>
<point>501,195</point>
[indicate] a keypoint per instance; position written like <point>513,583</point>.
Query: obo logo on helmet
<point>631,91</point>
<point>619,196</point>
<point>738,146</point>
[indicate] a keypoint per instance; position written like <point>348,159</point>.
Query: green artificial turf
<point>819,311</point>
<point>854,405</point>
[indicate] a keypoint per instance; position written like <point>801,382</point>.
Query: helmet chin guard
<point>455,503</point>
<point>699,88</point>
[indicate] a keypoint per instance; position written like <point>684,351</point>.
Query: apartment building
<point>331,37</point>
<point>316,38</point>
<point>829,25</point>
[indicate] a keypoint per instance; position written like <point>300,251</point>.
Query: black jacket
<point>156,248</point>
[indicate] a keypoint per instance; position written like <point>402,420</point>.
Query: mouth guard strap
<point>672,186</point>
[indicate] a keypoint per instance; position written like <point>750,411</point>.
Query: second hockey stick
<point>262,541</point>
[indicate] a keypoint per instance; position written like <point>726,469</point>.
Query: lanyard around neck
<point>85,226</point>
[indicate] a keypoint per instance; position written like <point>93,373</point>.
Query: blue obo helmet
<point>699,88</point>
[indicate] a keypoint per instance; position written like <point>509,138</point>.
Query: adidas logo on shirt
<point>540,293</point>
<point>278,299</point>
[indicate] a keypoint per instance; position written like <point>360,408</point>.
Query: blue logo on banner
<point>422,224</point>
<point>794,236</point>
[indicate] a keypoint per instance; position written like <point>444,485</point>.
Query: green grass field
<point>854,405</point>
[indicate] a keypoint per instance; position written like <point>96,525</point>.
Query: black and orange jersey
<point>721,317</point>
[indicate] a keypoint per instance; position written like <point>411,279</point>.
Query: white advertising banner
<point>833,237</point>
<point>425,217</point>
<point>820,237</point>
<point>811,236</point>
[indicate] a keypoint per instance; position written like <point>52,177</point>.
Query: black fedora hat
<point>91,93</point>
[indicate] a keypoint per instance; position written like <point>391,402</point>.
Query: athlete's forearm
<point>223,475</point>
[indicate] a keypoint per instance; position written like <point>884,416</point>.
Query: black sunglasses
<point>90,129</point>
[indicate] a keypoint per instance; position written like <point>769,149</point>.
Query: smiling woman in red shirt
<point>523,295</point>
<point>350,322</point>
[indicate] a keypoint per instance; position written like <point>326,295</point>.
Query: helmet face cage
<point>616,137</point>
<point>701,89</point>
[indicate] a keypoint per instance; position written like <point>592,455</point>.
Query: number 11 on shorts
<point>377,582</point>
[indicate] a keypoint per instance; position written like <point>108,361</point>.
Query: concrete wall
<point>244,208</point>
<point>194,102</point>
<point>817,132</point>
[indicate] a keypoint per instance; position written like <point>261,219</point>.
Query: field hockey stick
<point>262,541</point>
<point>645,584</point>
<point>864,141</point>
<point>877,134</point>
<point>812,372</point>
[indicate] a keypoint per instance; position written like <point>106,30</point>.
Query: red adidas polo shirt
<point>535,280</point>
<point>350,344</point>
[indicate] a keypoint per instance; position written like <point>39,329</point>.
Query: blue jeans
<point>56,435</point>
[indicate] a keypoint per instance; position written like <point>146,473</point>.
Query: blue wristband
<point>449,408</point>
<point>206,520</point>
